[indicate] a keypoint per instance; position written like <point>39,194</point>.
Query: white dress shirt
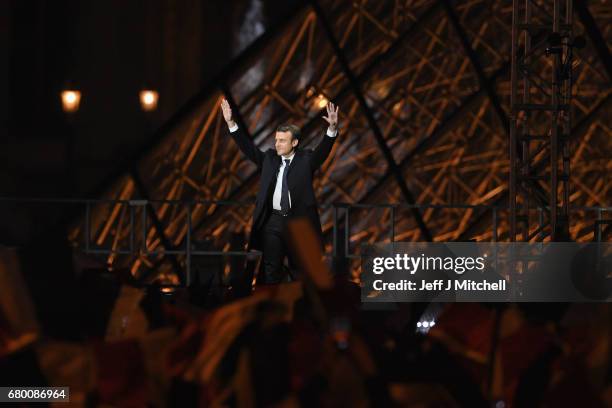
<point>276,198</point>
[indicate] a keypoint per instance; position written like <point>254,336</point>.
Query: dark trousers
<point>275,249</point>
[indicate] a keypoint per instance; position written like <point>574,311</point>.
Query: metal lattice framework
<point>424,91</point>
<point>540,115</point>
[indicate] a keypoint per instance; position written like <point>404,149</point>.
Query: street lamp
<point>71,99</point>
<point>148,99</point>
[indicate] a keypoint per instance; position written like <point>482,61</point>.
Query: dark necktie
<point>284,202</point>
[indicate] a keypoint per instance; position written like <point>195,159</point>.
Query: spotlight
<point>321,101</point>
<point>428,318</point>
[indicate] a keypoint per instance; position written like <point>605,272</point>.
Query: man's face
<point>285,143</point>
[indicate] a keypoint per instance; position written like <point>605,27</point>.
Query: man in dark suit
<point>285,186</point>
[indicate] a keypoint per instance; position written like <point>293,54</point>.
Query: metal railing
<point>188,251</point>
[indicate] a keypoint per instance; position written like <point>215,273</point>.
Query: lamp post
<point>71,101</point>
<point>148,99</point>
<point>148,103</point>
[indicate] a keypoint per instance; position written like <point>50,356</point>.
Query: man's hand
<point>332,116</point>
<point>227,113</point>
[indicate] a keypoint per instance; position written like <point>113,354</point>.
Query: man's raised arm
<point>245,145</point>
<point>320,153</point>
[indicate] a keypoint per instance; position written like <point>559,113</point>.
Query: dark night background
<point>109,50</point>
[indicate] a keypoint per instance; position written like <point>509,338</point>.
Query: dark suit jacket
<point>299,181</point>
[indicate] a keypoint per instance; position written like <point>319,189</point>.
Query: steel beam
<point>156,223</point>
<point>378,134</point>
<point>485,83</point>
<point>447,124</point>
<point>577,130</point>
<point>597,39</point>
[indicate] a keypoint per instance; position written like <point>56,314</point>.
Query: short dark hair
<point>293,129</point>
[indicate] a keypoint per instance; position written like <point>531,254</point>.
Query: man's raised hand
<point>227,113</point>
<point>332,116</point>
